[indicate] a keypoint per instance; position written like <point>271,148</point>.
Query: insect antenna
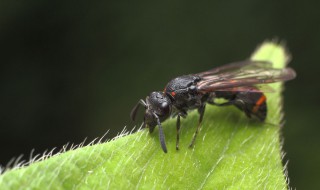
<point>161,135</point>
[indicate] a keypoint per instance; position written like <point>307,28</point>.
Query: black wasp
<point>235,82</point>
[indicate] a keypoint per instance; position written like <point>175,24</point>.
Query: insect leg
<point>178,132</point>
<point>238,103</point>
<point>161,135</point>
<point>201,112</point>
<point>222,104</point>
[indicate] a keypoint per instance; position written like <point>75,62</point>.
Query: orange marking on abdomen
<point>261,100</point>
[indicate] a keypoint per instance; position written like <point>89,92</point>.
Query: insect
<point>237,83</point>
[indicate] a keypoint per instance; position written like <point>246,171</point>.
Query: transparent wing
<point>247,73</point>
<point>257,88</point>
<point>236,66</point>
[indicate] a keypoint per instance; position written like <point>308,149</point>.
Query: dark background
<point>74,69</point>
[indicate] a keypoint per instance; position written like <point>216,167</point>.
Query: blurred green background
<point>74,69</point>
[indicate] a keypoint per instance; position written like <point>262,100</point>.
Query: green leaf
<point>231,151</point>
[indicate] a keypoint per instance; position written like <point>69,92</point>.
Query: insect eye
<point>192,87</point>
<point>164,105</point>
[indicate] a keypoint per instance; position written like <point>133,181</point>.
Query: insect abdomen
<point>260,107</point>
<point>254,104</point>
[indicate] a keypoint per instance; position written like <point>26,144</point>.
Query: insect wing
<point>236,66</point>
<point>257,88</point>
<point>245,75</point>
